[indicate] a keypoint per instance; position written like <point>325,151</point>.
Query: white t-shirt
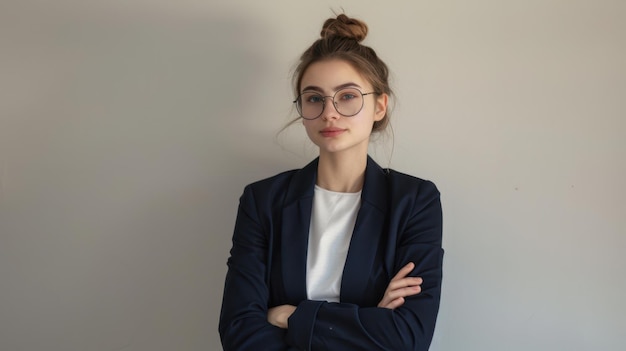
<point>332,223</point>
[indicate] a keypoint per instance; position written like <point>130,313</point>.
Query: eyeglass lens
<point>348,102</point>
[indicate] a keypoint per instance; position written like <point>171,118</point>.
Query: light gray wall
<point>129,128</point>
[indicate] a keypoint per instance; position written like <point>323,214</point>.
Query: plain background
<point>128,129</point>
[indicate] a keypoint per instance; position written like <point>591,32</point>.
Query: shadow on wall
<point>128,136</point>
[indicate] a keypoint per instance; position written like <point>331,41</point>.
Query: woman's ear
<point>381,106</point>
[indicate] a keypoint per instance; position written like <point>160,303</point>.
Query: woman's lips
<point>331,132</point>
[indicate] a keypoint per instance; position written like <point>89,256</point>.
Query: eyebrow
<point>320,90</point>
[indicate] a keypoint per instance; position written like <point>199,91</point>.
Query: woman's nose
<point>330,109</point>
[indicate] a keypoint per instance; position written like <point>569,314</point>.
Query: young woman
<point>341,254</point>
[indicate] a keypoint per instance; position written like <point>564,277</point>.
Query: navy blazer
<point>399,221</point>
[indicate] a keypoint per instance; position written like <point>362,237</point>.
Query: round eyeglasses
<point>347,102</point>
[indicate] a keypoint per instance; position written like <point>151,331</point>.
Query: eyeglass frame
<point>334,103</point>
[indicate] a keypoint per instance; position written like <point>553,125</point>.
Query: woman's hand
<point>279,315</point>
<point>400,287</point>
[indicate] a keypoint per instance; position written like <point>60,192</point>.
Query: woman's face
<point>331,131</point>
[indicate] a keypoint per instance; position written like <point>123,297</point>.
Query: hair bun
<point>344,27</point>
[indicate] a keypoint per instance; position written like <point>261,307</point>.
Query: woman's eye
<point>348,96</point>
<point>315,99</point>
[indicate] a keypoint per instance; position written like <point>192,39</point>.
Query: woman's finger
<point>404,282</point>
<point>404,271</point>
<point>404,292</point>
<point>393,295</point>
<point>395,303</point>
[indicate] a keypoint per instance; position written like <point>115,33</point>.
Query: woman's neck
<point>341,172</point>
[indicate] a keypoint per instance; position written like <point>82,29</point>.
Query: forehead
<point>330,74</point>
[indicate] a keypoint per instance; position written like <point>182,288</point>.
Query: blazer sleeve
<point>243,321</point>
<point>319,325</point>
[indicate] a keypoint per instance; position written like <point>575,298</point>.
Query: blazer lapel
<point>365,242</point>
<point>296,219</point>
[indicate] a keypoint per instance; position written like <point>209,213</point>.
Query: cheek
<point>366,117</point>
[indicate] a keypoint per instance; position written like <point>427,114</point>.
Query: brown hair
<point>340,39</point>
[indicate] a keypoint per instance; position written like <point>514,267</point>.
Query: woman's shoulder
<point>392,190</point>
<point>410,196</point>
<point>404,182</point>
<point>408,180</point>
<point>297,182</point>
